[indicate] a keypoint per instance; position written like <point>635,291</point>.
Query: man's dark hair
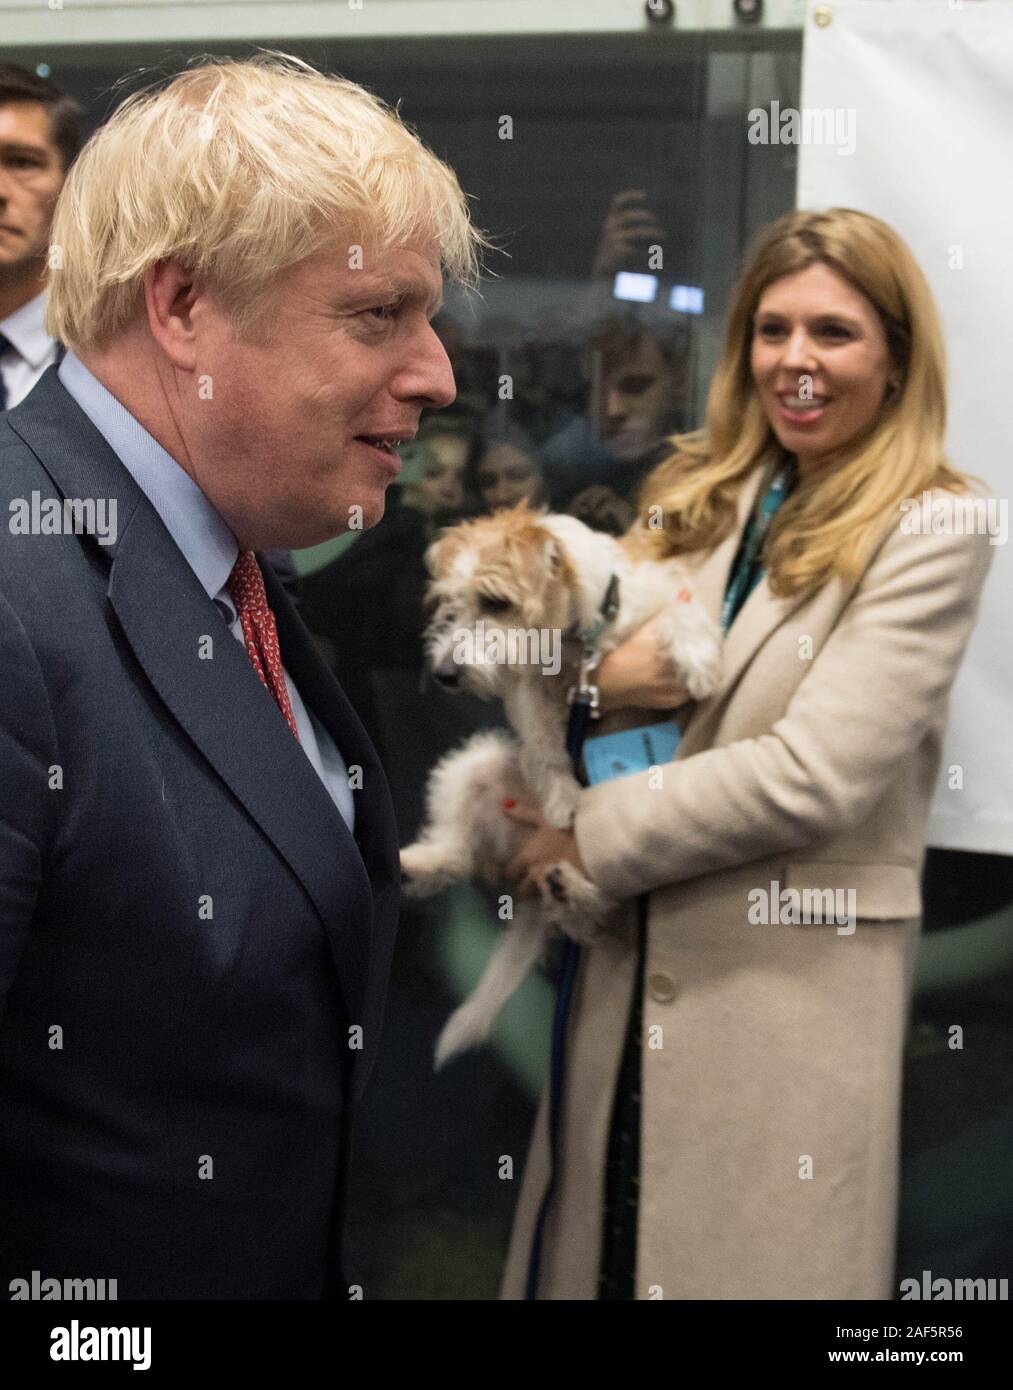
<point>65,115</point>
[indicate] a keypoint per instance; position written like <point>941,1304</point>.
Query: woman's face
<point>441,487</point>
<point>507,475</point>
<point>820,361</point>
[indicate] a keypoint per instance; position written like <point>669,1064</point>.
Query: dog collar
<point>609,608</point>
<point>584,692</point>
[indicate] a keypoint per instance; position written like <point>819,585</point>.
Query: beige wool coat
<point>772,1053</point>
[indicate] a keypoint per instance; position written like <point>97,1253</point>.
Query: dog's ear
<point>435,554</point>
<point>553,557</point>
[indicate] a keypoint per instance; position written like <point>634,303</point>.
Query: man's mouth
<point>388,442</point>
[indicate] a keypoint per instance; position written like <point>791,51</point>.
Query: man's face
<point>639,395</point>
<point>31,176</point>
<point>280,440</point>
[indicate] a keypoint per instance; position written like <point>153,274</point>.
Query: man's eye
<point>383,312</point>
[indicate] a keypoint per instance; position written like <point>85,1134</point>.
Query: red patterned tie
<point>246,590</point>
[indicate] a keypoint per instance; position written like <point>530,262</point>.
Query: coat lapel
<point>759,616</point>
<point>220,703</point>
<point>710,579</point>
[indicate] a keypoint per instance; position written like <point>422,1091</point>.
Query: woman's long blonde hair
<point>831,521</point>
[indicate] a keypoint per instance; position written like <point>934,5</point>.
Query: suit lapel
<point>220,702</point>
<point>375,824</point>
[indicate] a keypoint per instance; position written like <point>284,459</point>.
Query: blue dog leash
<point>584,704</point>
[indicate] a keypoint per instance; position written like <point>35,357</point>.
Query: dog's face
<point>502,587</point>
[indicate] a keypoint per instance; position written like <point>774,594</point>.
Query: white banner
<point>919,132</point>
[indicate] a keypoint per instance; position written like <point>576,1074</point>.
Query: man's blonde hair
<point>239,170</point>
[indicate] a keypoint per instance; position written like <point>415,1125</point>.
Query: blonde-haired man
<point>198,858</point>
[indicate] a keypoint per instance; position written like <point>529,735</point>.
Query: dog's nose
<point>448,677</point>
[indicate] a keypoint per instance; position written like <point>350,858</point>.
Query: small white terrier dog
<point>516,597</point>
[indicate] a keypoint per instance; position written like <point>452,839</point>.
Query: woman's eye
<point>827,330</point>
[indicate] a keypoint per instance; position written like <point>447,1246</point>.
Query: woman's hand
<point>542,851</point>
<point>635,674</point>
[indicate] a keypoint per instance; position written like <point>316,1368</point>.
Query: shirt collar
<point>25,330</point>
<point>208,545</point>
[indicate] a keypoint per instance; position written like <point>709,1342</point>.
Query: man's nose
<point>429,377</point>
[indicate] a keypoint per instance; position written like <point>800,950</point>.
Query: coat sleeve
<point>28,807</point>
<point>880,681</point>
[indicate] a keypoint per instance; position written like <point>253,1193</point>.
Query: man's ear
<point>171,292</point>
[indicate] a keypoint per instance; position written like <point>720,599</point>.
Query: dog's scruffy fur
<point>521,570</point>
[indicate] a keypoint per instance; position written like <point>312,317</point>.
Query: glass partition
<point>615,173</point>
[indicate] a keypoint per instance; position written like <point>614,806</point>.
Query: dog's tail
<point>518,950</point>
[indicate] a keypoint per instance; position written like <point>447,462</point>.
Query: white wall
<point>931,85</point>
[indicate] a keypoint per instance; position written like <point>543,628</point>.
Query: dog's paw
<point>701,671</point>
<point>690,641</point>
<point>577,907</point>
<point>424,870</point>
<point>560,803</point>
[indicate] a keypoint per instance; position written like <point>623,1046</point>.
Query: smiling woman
<point>800,331</point>
<point>730,1107</point>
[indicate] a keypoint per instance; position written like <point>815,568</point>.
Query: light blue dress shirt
<point>207,545</point>
<point>31,349</point>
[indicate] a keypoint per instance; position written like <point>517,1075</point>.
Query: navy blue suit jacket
<point>188,931</point>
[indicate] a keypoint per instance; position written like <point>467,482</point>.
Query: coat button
<point>661,987</point>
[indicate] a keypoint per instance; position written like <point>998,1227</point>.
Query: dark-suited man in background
<point>40,135</point>
<point>198,858</point>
